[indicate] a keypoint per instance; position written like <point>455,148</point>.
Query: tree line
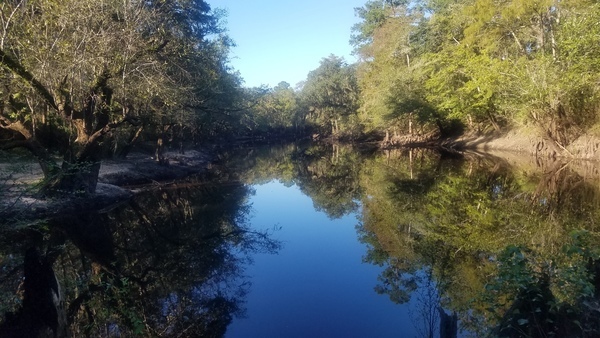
<point>438,67</point>
<point>486,64</point>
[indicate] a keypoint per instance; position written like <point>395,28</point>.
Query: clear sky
<point>280,40</point>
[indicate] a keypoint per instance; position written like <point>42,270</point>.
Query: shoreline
<point>516,141</point>
<point>19,207</point>
<point>585,147</point>
<point>120,180</point>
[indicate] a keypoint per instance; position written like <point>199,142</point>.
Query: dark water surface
<point>321,241</point>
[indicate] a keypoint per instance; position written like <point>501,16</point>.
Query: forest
<point>82,82</point>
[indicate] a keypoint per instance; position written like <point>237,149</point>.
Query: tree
<point>276,112</point>
<point>81,72</point>
<point>391,76</point>
<point>483,63</point>
<point>373,15</point>
<point>331,94</point>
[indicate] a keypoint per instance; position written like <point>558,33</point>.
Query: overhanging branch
<point>18,127</point>
<point>111,126</point>
<point>17,68</point>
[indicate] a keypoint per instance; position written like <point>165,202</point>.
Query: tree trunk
<point>133,137</point>
<point>181,136</point>
<point>160,146</point>
<point>448,324</point>
<point>47,163</point>
<point>43,304</point>
<point>160,151</point>
<point>78,177</point>
<point>81,165</point>
<point>492,120</point>
<point>79,172</point>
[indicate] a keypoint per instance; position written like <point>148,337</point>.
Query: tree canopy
<point>487,64</point>
<point>76,75</point>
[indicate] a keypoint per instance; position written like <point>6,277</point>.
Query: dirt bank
<point>118,182</point>
<point>586,147</point>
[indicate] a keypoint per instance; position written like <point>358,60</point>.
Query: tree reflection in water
<point>513,253</point>
<point>453,216</point>
<point>505,250</point>
<point>169,263</point>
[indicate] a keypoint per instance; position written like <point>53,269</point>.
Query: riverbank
<point>586,147</point>
<point>119,180</point>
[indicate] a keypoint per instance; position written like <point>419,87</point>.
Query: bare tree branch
<point>6,23</point>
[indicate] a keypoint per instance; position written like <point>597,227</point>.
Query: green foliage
<point>373,15</point>
<point>494,239</point>
<point>391,83</point>
<point>331,95</point>
<point>276,110</point>
<point>532,292</point>
<point>84,73</point>
<point>485,63</point>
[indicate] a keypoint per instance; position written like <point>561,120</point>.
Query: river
<point>325,241</point>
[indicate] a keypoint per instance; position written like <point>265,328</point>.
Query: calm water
<point>317,286</point>
<point>323,241</point>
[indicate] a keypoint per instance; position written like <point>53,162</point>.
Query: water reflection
<point>450,220</point>
<point>457,218</point>
<point>473,244</point>
<point>166,264</point>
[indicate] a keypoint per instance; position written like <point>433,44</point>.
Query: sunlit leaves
<point>276,110</point>
<point>487,63</point>
<point>83,71</point>
<point>331,93</point>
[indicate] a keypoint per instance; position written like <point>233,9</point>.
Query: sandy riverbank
<point>586,147</point>
<point>119,180</point>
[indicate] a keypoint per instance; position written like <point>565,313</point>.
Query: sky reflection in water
<point>317,286</point>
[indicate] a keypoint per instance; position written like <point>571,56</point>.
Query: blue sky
<point>284,40</point>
